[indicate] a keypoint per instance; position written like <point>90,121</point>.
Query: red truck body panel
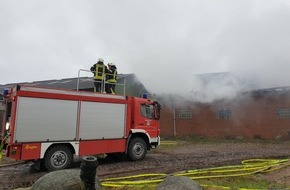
<point>88,123</point>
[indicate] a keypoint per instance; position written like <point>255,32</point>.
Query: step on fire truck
<point>52,125</point>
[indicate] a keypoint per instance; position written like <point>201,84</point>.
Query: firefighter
<point>99,70</point>
<point>111,79</point>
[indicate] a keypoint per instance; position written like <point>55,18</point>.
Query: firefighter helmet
<point>100,60</point>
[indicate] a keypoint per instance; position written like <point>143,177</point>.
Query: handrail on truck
<point>102,82</point>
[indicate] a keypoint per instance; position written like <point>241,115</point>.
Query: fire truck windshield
<point>147,111</point>
<point>151,111</point>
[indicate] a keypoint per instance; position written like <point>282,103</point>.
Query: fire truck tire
<point>137,149</point>
<point>57,158</point>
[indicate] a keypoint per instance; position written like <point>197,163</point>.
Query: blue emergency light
<point>145,95</point>
<point>5,92</point>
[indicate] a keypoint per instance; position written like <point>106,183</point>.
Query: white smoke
<point>250,39</point>
<point>167,44</point>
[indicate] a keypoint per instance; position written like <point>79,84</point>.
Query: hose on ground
<point>247,167</point>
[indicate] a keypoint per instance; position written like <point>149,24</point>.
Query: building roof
<point>133,82</point>
<point>67,83</point>
<point>129,81</point>
<point>243,84</point>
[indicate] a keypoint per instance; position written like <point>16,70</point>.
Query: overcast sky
<point>165,42</point>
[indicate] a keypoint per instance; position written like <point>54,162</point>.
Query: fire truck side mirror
<point>157,108</point>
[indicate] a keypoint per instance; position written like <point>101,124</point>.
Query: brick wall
<point>252,115</point>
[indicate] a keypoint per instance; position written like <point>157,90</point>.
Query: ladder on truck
<point>123,85</point>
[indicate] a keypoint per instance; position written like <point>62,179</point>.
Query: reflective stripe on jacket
<point>112,78</point>
<point>100,71</point>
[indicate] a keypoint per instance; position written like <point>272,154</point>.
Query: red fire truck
<point>52,125</point>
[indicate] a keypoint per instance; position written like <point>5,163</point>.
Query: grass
<point>206,140</point>
<point>237,183</point>
<point>144,187</point>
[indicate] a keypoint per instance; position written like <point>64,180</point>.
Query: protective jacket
<point>99,70</point>
<point>112,76</point>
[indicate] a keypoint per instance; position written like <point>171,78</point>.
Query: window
<point>223,114</point>
<point>185,114</point>
<point>147,111</point>
<point>283,113</point>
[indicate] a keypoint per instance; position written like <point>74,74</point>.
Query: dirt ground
<point>168,158</point>
<point>195,155</point>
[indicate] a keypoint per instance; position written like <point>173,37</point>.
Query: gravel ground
<point>171,158</point>
<point>186,156</point>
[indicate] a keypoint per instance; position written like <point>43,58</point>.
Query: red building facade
<point>263,114</point>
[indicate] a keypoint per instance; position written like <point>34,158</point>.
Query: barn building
<point>250,113</point>
<point>260,114</point>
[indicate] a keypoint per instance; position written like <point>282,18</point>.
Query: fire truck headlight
<point>7,126</point>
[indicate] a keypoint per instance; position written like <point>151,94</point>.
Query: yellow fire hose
<point>248,167</point>
<point>168,142</point>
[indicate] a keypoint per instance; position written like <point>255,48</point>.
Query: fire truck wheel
<point>57,158</point>
<point>137,149</point>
